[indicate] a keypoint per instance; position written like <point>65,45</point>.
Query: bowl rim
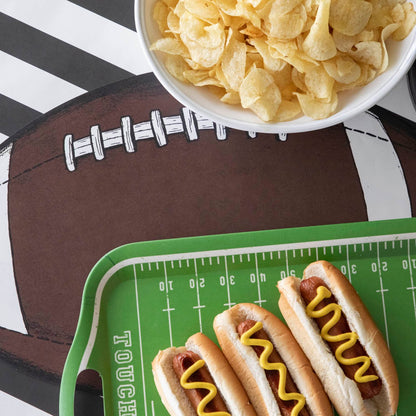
<point>168,82</point>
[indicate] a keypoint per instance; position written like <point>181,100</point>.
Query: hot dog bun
<point>227,383</point>
<point>246,363</point>
<point>342,391</point>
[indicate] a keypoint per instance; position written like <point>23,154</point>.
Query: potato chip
<point>343,43</point>
<point>319,43</point>
<point>255,3</point>
<point>254,59</point>
<point>171,46</point>
<point>370,53</point>
<point>201,78</point>
<point>204,42</point>
<point>251,31</point>
<point>349,17</point>
<point>288,110</point>
<point>380,16</point>
<point>172,22</point>
<point>232,97</point>
<point>229,7</point>
<point>289,52</point>
<point>271,63</point>
<point>298,78</point>
<point>280,58</point>
<point>343,69</point>
<point>206,35</point>
<point>385,34</point>
<point>176,66</point>
<point>160,14</point>
<point>283,78</point>
<point>202,9</point>
<point>203,56</point>
<point>281,7</point>
<point>170,3</point>
<point>319,84</point>
<point>315,108</point>
<point>259,93</point>
<point>408,21</point>
<point>248,12</point>
<point>233,62</point>
<point>286,26</point>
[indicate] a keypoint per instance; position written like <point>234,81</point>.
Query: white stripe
<point>9,405</point>
<point>379,169</point>
<point>399,101</point>
<point>3,138</point>
<point>10,313</point>
<point>32,86</point>
<point>139,328</point>
<point>83,29</point>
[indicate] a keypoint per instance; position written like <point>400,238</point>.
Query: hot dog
<point>196,379</point>
<point>341,340</point>
<point>272,367</point>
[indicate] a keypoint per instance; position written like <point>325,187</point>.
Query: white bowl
<point>401,56</point>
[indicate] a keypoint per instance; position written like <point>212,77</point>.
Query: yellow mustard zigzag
<point>212,390</point>
<point>350,338</point>
<point>280,367</point>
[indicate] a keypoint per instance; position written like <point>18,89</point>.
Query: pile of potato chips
<point>280,58</point>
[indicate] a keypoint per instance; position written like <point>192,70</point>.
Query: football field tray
<point>148,296</point>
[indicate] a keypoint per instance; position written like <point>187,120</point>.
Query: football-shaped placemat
<point>128,163</point>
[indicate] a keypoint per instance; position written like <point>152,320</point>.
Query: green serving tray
<point>147,296</point>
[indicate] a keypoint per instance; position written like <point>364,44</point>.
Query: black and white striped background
<point>55,50</point>
<point>50,52</point>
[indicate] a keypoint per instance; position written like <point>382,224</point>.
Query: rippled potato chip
<point>280,58</point>
<point>259,93</point>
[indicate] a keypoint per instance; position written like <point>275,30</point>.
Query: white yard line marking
<point>287,263</point>
<point>381,291</point>
<point>198,306</point>
<point>348,263</point>
<point>412,285</point>
<point>229,304</point>
<point>260,301</point>
<point>140,340</point>
<point>168,308</point>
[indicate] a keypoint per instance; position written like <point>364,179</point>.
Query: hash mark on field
<point>412,286</point>
<point>382,291</point>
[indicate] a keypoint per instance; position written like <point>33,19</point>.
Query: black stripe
<point>55,56</point>
<point>411,78</point>
<point>14,115</point>
<point>119,11</point>
<point>41,390</point>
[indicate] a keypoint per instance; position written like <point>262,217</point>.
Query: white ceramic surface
<point>401,56</point>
